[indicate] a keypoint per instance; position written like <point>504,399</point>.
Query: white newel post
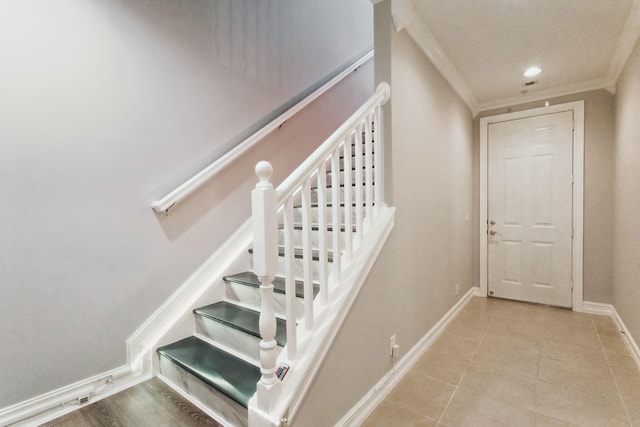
<point>265,264</point>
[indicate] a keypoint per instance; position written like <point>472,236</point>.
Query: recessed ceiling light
<point>532,71</point>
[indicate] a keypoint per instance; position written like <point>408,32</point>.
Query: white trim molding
<point>607,84</point>
<point>54,404</point>
<point>578,190</point>
<point>140,346</point>
<point>359,413</point>
<point>610,310</point>
<point>406,18</point>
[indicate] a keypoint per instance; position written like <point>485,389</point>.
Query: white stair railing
<point>353,156</point>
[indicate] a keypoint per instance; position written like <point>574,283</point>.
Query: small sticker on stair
<point>282,371</point>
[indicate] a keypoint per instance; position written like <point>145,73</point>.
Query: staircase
<point>318,219</point>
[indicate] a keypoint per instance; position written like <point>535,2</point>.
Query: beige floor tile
<point>530,324</point>
<point>510,350</point>
<point>546,421</point>
<point>469,325</point>
<point>581,335</point>
<point>613,343</point>
<point>616,358</point>
<point>469,408</point>
<point>519,364</point>
<point>578,407</point>
<point>627,378</point>
<point>454,344</point>
<point>445,367</point>
<point>478,305</point>
<point>515,389</point>
<point>387,414</point>
<point>634,416</point>
<point>604,325</point>
<point>579,376</point>
<point>425,395</point>
<point>590,358</point>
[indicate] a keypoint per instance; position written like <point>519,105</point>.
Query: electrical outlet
<point>457,289</point>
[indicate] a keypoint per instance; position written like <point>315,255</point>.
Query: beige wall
<point>626,223</point>
<point>598,189</point>
<point>105,107</point>
<point>412,285</point>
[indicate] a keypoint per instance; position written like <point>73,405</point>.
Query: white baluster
<point>307,255</point>
<point>265,264</point>
<point>368,166</point>
<point>359,200</point>
<point>348,209</point>
<point>336,223</point>
<point>377,161</point>
<point>290,281</point>
<point>322,230</point>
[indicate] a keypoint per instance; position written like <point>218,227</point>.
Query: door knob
<point>493,232</point>
<point>492,222</point>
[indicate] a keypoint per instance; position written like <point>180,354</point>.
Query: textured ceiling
<point>577,43</point>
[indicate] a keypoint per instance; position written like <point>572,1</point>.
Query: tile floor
<point>505,363</point>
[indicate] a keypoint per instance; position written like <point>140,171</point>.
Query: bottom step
<point>231,376</point>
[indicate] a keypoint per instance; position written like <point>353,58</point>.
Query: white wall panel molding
<point>359,413</point>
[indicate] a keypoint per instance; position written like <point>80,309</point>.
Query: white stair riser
<point>298,269</point>
<point>229,410</point>
<point>237,340</point>
<point>315,238</point>
<point>328,194</point>
<point>341,175</point>
<point>250,297</point>
<point>314,212</point>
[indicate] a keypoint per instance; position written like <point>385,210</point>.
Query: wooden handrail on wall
<point>181,192</point>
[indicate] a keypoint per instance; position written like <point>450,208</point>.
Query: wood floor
<point>151,403</point>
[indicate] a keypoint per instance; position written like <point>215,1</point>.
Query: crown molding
<point>570,89</point>
<point>626,43</point>
<point>405,17</point>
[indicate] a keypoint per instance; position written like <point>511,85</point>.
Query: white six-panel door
<point>529,215</point>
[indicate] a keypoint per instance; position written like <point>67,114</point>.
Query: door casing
<point>578,191</point>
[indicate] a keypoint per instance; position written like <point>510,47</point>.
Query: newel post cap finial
<point>386,90</point>
<point>264,170</point>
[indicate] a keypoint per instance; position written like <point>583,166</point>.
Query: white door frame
<point>578,190</point>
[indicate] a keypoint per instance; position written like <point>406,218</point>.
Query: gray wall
<point>412,285</point>
<point>107,105</point>
<point>598,189</point>
<point>626,222</point>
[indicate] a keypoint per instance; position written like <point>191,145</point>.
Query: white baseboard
<point>359,413</point>
<point>140,346</point>
<point>610,310</point>
<point>49,406</point>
